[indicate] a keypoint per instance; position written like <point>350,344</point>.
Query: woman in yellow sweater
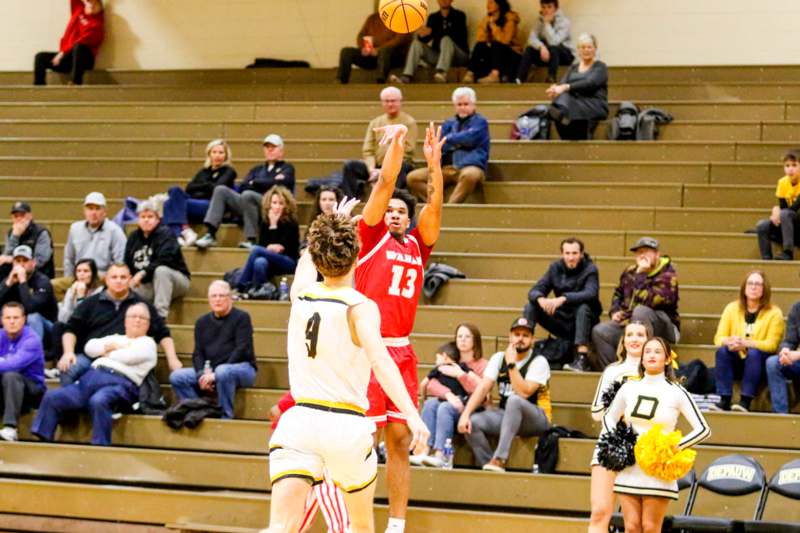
<point>498,45</point>
<point>748,332</point>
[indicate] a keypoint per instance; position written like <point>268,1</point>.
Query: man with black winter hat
<point>575,306</point>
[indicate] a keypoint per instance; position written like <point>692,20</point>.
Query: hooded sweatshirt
<point>148,253</point>
<point>658,290</point>
<point>579,285</point>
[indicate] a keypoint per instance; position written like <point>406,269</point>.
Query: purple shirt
<point>23,354</point>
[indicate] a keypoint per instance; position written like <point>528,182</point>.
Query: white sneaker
<point>189,237</point>
<point>9,434</point>
<point>432,460</point>
<point>52,373</point>
<point>417,460</point>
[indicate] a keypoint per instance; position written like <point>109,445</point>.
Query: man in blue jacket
<point>21,368</point>
<point>465,155</point>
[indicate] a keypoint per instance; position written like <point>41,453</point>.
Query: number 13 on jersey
<point>403,281</point>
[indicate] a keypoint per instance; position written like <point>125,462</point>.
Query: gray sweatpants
<point>246,204</point>
<point>167,285</point>
<point>520,417</point>
<point>447,55</point>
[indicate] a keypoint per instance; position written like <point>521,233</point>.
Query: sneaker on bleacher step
<point>393,78</point>
<point>495,465</point>
<point>432,460</point>
<point>417,460</point>
<point>247,245</point>
<point>787,255</point>
<point>580,364</point>
<point>206,241</point>
<point>440,76</point>
<point>188,236</point>
<point>52,373</point>
<point>9,434</point>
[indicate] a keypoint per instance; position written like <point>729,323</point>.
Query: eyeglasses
<point>138,317</point>
<point>754,284</point>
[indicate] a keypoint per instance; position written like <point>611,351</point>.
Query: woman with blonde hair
<point>278,245</point>
<point>189,206</point>
<point>749,331</point>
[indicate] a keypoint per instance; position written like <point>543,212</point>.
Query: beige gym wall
<point>175,34</point>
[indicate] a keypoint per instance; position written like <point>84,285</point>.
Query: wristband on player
<point>511,366</point>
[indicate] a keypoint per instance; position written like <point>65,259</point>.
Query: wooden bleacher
<point>709,178</point>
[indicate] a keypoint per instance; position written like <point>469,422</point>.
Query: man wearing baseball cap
<point>26,285</point>
<point>25,231</point>
<point>93,237</point>
<point>647,293</point>
<point>247,202</point>
<point>522,380</point>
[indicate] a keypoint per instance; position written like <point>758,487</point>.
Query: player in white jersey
<point>334,343</point>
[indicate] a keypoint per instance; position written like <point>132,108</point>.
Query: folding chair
<point>730,491</point>
<point>780,511</point>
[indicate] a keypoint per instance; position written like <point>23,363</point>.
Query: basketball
<point>403,16</point>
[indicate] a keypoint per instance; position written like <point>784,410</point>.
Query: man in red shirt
<point>390,272</point>
<point>79,45</point>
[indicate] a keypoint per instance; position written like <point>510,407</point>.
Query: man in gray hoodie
<point>549,43</point>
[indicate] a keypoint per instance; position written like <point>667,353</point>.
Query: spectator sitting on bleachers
<point>25,231</point>
<point>522,380</point>
<point>441,410</point>
<point>325,201</point>
<point>93,237</point>
<point>104,314</point>
<point>781,226</point>
<point>86,282</point>
<point>377,48</point>
<point>79,44</point>
<point>575,306</point>
<point>278,245</point>
<point>121,363</point>
<point>26,285</point>
<point>160,274</point>
<point>549,43</point>
<point>247,201</point>
<point>356,172</point>
<point>580,100</point>
<point>786,364</point>
<point>191,205</point>
<point>223,357</point>
<point>465,154</point>
<point>647,293</point>
<point>21,368</point>
<point>749,331</point>
<point>442,43</point>
<point>498,45</point>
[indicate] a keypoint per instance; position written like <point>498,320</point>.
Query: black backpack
<point>546,455</point>
<point>533,124</point>
<point>558,352</point>
<point>649,119</point>
<point>623,126</point>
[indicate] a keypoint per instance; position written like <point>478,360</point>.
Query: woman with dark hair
<point>324,203</point>
<point>442,409</point>
<point>629,356</point>
<point>190,205</point>
<point>79,44</point>
<point>498,45</point>
<point>86,283</point>
<point>652,406</point>
<point>278,245</point>
<point>580,100</point>
<point>749,331</point>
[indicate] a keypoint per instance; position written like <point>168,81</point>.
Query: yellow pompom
<point>657,454</point>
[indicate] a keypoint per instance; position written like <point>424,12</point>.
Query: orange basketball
<point>403,16</point>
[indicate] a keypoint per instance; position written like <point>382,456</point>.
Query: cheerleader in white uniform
<point>656,398</point>
<point>629,354</point>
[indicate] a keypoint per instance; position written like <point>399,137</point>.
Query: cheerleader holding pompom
<point>629,354</point>
<point>651,407</point>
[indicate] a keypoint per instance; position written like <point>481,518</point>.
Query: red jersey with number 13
<point>390,273</point>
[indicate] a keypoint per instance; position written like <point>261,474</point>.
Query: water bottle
<point>283,289</point>
<point>525,127</point>
<point>535,468</point>
<point>207,367</point>
<point>448,454</point>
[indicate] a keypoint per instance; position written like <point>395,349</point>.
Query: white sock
<point>396,525</point>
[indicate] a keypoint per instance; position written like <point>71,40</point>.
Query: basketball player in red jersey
<point>390,271</point>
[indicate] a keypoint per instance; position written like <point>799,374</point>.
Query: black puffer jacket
<point>579,285</point>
